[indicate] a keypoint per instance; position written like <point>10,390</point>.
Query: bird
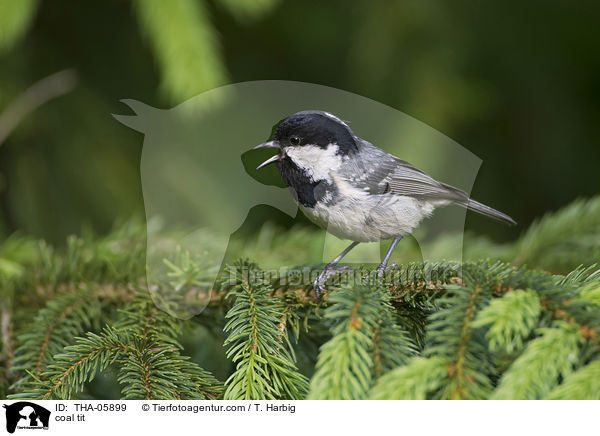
<point>353,189</point>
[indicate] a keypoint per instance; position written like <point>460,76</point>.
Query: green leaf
<point>184,44</point>
<point>248,10</point>
<point>15,19</point>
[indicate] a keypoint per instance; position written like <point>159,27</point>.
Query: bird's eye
<point>294,140</point>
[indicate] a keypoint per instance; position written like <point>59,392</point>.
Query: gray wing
<point>382,173</point>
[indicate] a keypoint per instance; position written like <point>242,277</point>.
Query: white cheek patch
<point>316,161</point>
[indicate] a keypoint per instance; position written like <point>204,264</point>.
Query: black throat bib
<point>306,191</point>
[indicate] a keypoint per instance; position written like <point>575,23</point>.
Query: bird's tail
<point>488,211</point>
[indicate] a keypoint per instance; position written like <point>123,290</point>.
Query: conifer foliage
<point>258,342</point>
<point>79,323</point>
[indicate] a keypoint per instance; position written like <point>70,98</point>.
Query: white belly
<point>355,214</point>
<point>367,218</point>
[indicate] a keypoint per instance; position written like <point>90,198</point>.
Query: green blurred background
<point>516,83</point>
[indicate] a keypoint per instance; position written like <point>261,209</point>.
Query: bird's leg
<point>322,277</point>
<point>381,267</point>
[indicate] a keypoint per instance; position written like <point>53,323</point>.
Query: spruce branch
<point>53,328</point>
<point>417,380</point>
<point>392,346</point>
<point>581,274</point>
<point>562,240</point>
<point>536,371</point>
<point>483,330</point>
<point>451,333</point>
<point>583,384</point>
<point>78,364</point>
<point>415,290</point>
<point>157,369</point>
<point>510,319</point>
<point>362,326</point>
<point>258,342</point>
<point>142,346</point>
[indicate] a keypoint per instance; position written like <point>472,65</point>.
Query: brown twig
<point>6,330</point>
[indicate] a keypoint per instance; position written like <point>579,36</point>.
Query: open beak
<point>268,161</point>
<point>270,144</point>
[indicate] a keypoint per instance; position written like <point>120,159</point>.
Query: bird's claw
<point>319,288</point>
<point>319,283</point>
<point>383,268</point>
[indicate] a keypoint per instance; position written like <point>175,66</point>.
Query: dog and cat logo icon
<point>26,415</point>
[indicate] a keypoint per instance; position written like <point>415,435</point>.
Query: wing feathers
<point>389,173</point>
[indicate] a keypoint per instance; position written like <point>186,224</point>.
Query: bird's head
<point>311,139</point>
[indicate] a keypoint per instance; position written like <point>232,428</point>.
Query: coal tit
<point>353,189</point>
